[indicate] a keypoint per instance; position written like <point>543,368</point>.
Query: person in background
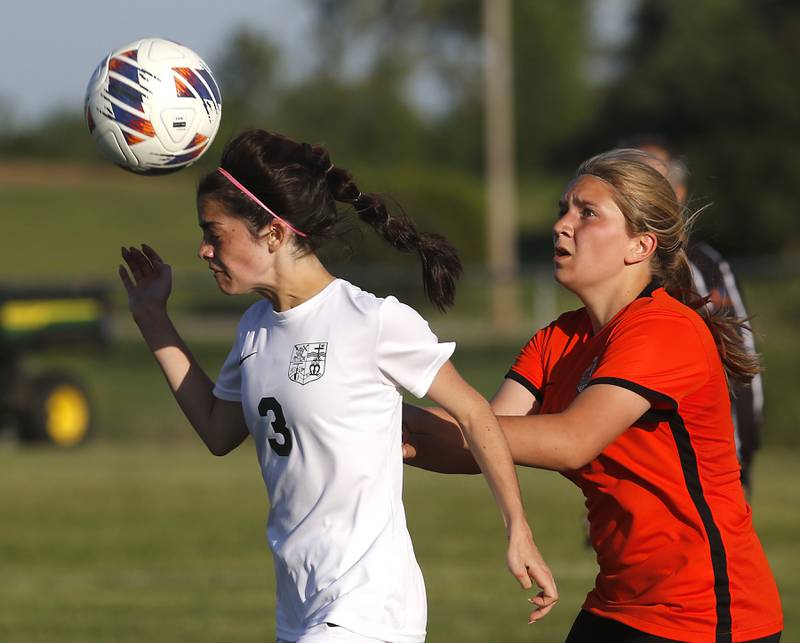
<point>713,278</point>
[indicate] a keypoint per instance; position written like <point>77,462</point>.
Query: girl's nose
<point>205,251</point>
<point>563,227</point>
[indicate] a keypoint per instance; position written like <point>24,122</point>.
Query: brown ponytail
<point>649,204</point>
<point>440,263</point>
<point>300,183</point>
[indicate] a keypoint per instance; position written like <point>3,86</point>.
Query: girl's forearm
<point>433,441</point>
<point>189,384</point>
<point>488,445</point>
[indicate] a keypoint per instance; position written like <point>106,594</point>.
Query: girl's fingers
<point>151,254</point>
<point>539,614</point>
<point>126,280</point>
<point>134,265</point>
<point>523,578</point>
<point>544,601</point>
<point>544,604</point>
<point>549,592</point>
<point>139,264</point>
<point>129,260</point>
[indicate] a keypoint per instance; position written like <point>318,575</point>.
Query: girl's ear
<point>642,248</point>
<point>274,235</point>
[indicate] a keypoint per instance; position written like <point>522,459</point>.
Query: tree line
<point>395,90</point>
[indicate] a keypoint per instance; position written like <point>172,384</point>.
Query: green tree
<point>717,78</point>
<point>248,79</point>
<point>443,38</point>
<point>60,135</point>
<point>555,98</point>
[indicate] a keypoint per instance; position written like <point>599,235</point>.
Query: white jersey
<point>319,385</point>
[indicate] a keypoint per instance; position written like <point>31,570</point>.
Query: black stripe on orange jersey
<point>647,393</point>
<point>719,560</point>
<point>691,475</point>
<point>513,375</point>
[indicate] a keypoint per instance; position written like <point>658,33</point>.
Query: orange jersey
<point>673,533</point>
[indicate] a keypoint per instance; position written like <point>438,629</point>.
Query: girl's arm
<point>219,423</point>
<point>490,450</point>
<point>432,439</point>
<point>559,441</point>
<point>514,399</point>
<point>571,439</point>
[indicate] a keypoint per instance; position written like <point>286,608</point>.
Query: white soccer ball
<point>153,106</point>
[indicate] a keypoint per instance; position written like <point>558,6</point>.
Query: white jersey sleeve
<point>229,382</point>
<point>409,354</point>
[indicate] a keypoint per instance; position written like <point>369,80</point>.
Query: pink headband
<point>255,199</point>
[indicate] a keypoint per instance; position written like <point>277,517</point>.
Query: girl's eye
<point>587,212</point>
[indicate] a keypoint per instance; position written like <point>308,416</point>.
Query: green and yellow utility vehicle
<point>48,405</point>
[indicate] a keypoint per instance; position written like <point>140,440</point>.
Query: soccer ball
<point>153,106</point>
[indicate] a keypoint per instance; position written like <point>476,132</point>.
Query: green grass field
<point>142,535</point>
<point>153,542</point>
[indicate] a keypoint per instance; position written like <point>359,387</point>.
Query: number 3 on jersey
<point>278,425</point>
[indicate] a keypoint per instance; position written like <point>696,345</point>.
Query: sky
<point>51,47</point>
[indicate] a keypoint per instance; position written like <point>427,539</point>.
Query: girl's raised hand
<point>149,283</point>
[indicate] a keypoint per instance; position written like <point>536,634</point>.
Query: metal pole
<point>501,165</point>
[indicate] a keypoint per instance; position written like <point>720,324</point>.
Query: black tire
<point>57,410</point>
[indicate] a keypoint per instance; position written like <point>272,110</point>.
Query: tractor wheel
<point>58,411</point>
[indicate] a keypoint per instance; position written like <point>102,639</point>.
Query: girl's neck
<point>604,302</point>
<point>294,282</point>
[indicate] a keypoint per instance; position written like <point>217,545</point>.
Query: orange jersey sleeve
<point>528,368</point>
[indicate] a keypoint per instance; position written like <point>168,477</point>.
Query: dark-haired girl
<point>315,376</point>
<point>628,398</point>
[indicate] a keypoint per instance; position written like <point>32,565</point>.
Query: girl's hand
<point>149,283</point>
<point>528,567</point>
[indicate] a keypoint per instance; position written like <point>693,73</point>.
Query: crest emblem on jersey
<point>587,375</point>
<point>307,363</point>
